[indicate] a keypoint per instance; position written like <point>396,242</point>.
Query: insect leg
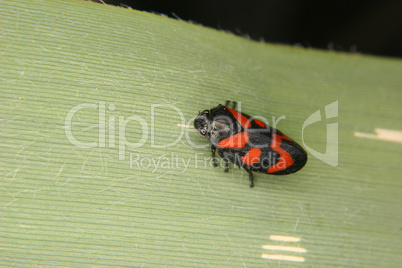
<point>213,150</point>
<point>234,104</point>
<point>226,165</point>
<point>250,177</point>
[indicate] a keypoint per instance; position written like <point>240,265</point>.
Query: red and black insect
<point>248,142</point>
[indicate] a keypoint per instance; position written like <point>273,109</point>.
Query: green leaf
<point>99,167</point>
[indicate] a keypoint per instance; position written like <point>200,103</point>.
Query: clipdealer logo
<point>331,151</point>
<point>112,129</point>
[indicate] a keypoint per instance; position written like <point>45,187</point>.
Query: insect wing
<point>270,151</point>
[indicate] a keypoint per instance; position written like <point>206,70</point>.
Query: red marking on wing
<point>258,122</point>
<point>236,141</point>
<point>244,122</point>
<point>285,159</point>
<point>252,156</point>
